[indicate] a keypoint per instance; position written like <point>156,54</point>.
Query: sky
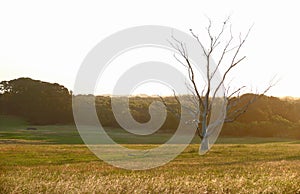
<point>48,40</point>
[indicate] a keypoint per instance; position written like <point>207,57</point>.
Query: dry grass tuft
<point>261,168</point>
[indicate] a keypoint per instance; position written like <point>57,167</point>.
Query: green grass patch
<point>8,122</point>
<point>68,134</point>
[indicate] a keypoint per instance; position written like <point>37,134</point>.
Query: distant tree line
<point>46,103</point>
<point>267,117</point>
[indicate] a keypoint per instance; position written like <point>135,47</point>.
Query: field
<point>53,159</point>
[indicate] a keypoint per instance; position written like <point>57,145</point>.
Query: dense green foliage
<point>45,103</point>
<point>267,117</point>
<point>138,108</point>
<point>36,101</point>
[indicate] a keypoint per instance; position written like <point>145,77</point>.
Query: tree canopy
<point>38,102</point>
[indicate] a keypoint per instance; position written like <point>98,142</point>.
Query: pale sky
<point>48,40</point>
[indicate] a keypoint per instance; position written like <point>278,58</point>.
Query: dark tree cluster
<point>267,117</point>
<point>36,101</point>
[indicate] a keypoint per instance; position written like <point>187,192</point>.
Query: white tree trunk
<point>204,146</point>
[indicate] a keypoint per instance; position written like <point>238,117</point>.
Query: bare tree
<point>206,96</point>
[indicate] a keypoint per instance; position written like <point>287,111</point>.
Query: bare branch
<point>192,112</point>
<point>197,38</point>
<point>225,50</point>
<point>221,32</point>
<point>169,108</point>
<point>233,62</point>
<point>238,112</point>
<point>235,92</point>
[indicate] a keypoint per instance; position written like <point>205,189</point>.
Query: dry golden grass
<point>260,168</point>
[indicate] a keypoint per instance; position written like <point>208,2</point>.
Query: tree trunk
<point>204,143</point>
<point>204,146</point>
